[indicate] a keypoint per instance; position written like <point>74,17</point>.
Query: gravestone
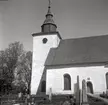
<point>50,94</point>
<point>33,101</point>
<point>66,103</point>
<point>75,89</point>
<point>84,93</point>
<point>80,96</point>
<point>78,92</point>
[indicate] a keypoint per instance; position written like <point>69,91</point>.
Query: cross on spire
<point>49,8</point>
<point>49,3</point>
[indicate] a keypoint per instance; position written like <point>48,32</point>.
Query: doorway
<point>89,87</point>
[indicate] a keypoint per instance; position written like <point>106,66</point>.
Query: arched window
<point>89,87</point>
<point>43,86</point>
<point>67,82</point>
<point>107,80</point>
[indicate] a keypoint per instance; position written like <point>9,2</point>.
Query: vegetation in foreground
<point>15,69</point>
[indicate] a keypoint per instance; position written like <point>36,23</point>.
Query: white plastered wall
<point>40,53</point>
<point>96,74</point>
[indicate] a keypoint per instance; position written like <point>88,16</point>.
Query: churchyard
<point>81,97</point>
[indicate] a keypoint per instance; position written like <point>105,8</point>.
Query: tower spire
<point>49,8</point>
<point>49,25</point>
<point>49,3</point>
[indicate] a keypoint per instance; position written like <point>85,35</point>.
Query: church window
<point>67,82</point>
<point>45,40</point>
<point>43,86</point>
<point>107,80</point>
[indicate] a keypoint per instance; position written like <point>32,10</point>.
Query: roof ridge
<point>85,37</point>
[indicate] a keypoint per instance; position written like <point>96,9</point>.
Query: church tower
<point>42,43</point>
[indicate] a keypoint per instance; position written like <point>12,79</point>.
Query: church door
<point>107,80</point>
<point>89,87</point>
<point>43,86</point>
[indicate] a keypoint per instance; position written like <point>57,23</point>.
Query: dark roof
<point>79,50</point>
<point>49,17</point>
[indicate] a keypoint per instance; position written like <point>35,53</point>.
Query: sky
<point>19,19</point>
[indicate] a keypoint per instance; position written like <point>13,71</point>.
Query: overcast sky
<point>74,18</point>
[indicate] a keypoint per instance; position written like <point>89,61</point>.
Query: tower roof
<point>49,24</point>
<point>49,17</point>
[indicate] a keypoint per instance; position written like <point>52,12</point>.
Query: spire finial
<point>49,4</point>
<point>49,8</point>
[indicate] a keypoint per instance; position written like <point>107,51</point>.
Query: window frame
<point>68,77</point>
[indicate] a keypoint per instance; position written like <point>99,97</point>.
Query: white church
<point>58,62</point>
